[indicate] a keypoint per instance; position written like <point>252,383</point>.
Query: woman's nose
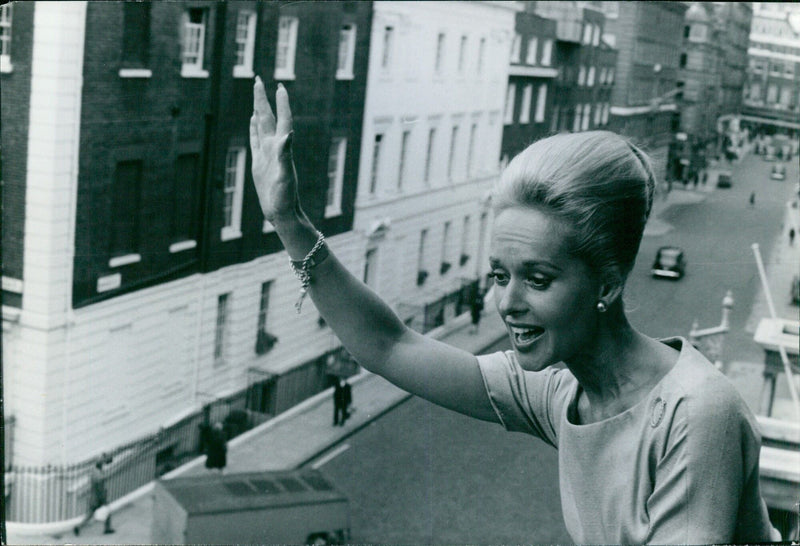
<point>510,300</point>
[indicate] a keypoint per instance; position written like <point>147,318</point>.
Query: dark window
<point>686,31</point>
<point>186,192</point>
<point>136,34</point>
<point>124,225</point>
<point>683,60</point>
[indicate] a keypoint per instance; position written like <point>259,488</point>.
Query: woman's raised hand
<point>271,147</point>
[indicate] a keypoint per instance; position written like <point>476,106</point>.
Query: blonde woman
<point>655,445</point>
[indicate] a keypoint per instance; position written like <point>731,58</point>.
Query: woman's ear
<point>611,288</point>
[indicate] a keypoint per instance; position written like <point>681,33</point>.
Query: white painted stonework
<point>409,94</point>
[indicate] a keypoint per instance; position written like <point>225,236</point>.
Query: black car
<point>724,179</point>
<point>670,263</point>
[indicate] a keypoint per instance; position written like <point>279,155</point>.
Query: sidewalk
<point>290,440</point>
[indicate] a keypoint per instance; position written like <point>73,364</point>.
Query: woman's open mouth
<point>525,336</point>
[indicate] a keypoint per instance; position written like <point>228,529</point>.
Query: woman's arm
<point>367,326</point>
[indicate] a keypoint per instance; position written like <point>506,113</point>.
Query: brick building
<point>643,104</point>
<point>140,281</point>
<point>772,90</point>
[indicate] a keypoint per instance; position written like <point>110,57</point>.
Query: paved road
<point>423,474</point>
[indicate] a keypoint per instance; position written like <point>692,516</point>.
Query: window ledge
<point>243,72</point>
<point>119,261</point>
<point>228,233</point>
<point>193,72</point>
<point>342,75</point>
<point>267,227</point>
<point>333,211</point>
<point>284,74</point>
<point>135,73</point>
<point>182,245</point>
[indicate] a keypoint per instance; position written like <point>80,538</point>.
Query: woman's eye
<point>539,281</point>
<point>499,277</point>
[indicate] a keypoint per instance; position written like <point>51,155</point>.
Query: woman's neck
<point>619,368</point>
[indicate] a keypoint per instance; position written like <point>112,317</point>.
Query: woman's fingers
<point>255,144</point>
<point>284,125</point>
<point>266,120</point>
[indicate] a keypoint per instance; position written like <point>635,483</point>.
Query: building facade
<point>140,281</point>
<point>643,104</point>
<point>772,90</point>
<point>430,152</point>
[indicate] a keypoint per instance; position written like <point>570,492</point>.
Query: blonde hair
<point>598,182</point>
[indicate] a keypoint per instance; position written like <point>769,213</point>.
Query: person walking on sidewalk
<point>217,449</point>
<point>791,236</point>
<point>475,311</point>
<point>339,403</point>
<point>654,444</point>
<point>98,497</point>
<point>752,199</point>
<point>348,400</point>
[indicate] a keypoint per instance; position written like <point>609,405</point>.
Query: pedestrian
<point>339,403</point>
<point>475,311</point>
<point>98,497</point>
<point>791,236</point>
<point>655,445</point>
<point>705,177</point>
<point>347,397</point>
<point>752,199</point>
<point>216,448</point>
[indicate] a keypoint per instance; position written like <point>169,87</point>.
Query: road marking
<point>335,453</point>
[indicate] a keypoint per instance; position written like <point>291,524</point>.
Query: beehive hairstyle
<point>599,183</point>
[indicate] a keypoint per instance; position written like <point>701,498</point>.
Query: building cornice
<point>533,71</point>
<point>758,52</point>
<point>646,109</point>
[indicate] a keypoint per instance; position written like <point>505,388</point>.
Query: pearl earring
<point>601,306</point>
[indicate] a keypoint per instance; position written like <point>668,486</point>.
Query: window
<point>135,34</point>
<point>786,96</point>
<point>541,100</point>
<point>264,339</point>
<point>347,52</point>
<point>602,77</point>
<point>683,59</point>
<point>376,157</point>
<point>772,93</point>
<point>576,121</point>
<point>386,56</point>
<point>516,45</point>
<point>439,53</point>
<point>401,171</point>
<point>596,37</point>
<point>605,114</point>
<point>598,112</point>
<point>547,52</point>
<point>5,37</point>
<point>445,263</point>
<point>590,77</point>
<point>233,190</point>
<point>473,130</point>
<point>581,75</point>
<point>125,199</point>
<point>587,33</point>
<point>220,330</point>
<point>370,259</point>
<point>451,157</point>
<point>554,119</point>
<point>336,157</point>
<point>287,45</point>
<point>245,43</point>
<point>462,50</point>
<point>610,75</point>
<point>429,154</point>
<point>422,273</point>
<point>698,33</point>
<point>525,107</point>
<point>755,91</point>
<point>186,192</point>
<point>481,49</point>
<point>465,242</point>
<point>587,114</point>
<point>194,36</point>
<point>530,56</point>
<point>508,116</point>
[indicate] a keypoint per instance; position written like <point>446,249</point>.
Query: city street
<point>422,474</point>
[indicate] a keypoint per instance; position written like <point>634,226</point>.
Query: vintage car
<point>724,179</point>
<point>778,172</point>
<point>670,263</point>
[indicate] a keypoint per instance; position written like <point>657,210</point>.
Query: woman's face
<point>545,295</point>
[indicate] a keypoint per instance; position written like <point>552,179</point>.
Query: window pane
<point>136,34</point>
<point>124,227</point>
<point>376,156</point>
<point>388,33</point>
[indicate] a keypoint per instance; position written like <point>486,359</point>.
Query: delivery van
<point>286,507</point>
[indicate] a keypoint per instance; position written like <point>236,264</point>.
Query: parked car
<point>724,179</point>
<point>778,172</point>
<point>670,263</point>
